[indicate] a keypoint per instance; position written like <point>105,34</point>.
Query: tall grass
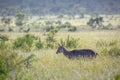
<point>109,47</point>
<point>52,66</point>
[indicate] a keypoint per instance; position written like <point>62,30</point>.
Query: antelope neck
<point>65,52</point>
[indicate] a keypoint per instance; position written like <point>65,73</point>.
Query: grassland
<point>50,66</point>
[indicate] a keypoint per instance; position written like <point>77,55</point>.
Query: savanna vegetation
<point>30,33</point>
<point>33,56</point>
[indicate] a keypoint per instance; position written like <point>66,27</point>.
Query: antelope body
<point>76,53</point>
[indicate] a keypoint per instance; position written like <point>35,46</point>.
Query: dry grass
<point>50,66</point>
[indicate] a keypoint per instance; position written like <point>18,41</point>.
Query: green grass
<point>50,66</point>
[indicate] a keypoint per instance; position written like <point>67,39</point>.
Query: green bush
<point>3,39</point>
<point>48,28</point>
<point>65,25</point>
<point>10,29</point>
<point>2,29</point>
<point>72,29</point>
<point>50,38</point>
<point>39,44</point>
<point>117,76</point>
<point>3,45</point>
<point>11,64</point>
<point>70,42</point>
<point>25,42</point>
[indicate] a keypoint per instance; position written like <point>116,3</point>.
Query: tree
<point>96,22</point>
<point>20,17</point>
<point>6,20</point>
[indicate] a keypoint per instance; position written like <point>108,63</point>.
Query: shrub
<point>2,29</point>
<point>70,42</point>
<point>68,25</point>
<point>20,17</point>
<point>25,42</point>
<point>117,76</point>
<point>11,63</point>
<point>72,29</point>
<point>108,27</point>
<point>39,44</point>
<point>10,29</point>
<point>49,28</point>
<point>3,39</point>
<point>50,39</point>
<point>3,45</point>
<point>94,22</point>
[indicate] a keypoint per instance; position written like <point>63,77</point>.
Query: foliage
<point>67,25</point>
<point>48,28</point>
<point>58,22</point>
<point>6,20</point>
<point>72,29</point>
<point>117,76</point>
<point>70,42</point>
<point>25,42</point>
<point>94,22</point>
<point>10,29</point>
<point>39,44</point>
<point>3,39</point>
<point>50,38</point>
<point>11,64</point>
<point>20,17</point>
<point>2,29</point>
<point>50,66</point>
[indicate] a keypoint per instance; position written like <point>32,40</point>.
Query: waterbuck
<point>76,53</point>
